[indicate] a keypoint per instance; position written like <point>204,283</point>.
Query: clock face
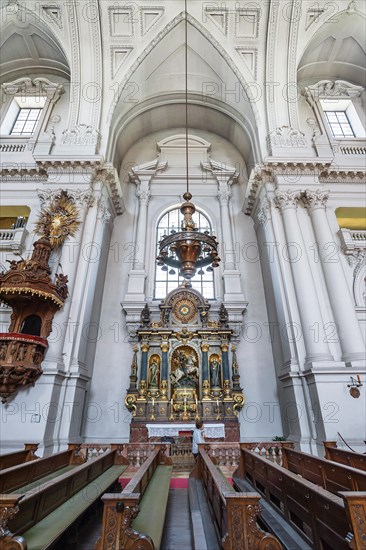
<point>185,311</point>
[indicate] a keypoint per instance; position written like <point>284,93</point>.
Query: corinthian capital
<point>286,199</point>
<point>143,195</point>
<point>224,195</point>
<point>315,199</point>
<point>79,197</point>
<point>82,197</point>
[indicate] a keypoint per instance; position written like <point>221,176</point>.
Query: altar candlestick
<point>217,403</point>
<point>358,378</point>
<point>153,402</point>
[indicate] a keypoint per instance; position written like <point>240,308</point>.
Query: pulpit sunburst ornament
<point>58,221</point>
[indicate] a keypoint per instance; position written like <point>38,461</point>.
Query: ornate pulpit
<point>184,367</point>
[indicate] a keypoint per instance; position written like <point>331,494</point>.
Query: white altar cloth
<point>212,431</point>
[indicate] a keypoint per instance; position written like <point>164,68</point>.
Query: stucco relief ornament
<point>58,221</point>
<point>103,211</point>
<point>285,136</point>
<point>264,213</point>
<point>80,135</point>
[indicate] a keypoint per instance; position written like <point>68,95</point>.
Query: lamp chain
<point>186,84</point>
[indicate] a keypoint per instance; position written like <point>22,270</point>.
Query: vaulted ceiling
<point>336,52</point>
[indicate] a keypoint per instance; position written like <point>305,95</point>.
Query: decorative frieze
<point>81,135</point>
<point>332,89</point>
<point>286,137</point>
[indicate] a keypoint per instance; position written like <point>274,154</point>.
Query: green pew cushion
<point>48,530</point>
<point>150,520</point>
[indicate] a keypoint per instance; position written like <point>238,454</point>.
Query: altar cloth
<point>212,431</point>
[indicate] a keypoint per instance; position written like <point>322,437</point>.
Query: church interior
<point>182,278</point>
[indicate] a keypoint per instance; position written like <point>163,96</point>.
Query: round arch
<point>29,46</point>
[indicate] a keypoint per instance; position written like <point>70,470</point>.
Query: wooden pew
<point>17,477</point>
<point>135,517</point>
<point>235,514</point>
<point>319,516</point>
<point>333,477</point>
<point>355,460</point>
<point>19,457</point>
<point>41,515</point>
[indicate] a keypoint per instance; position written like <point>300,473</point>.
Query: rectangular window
<point>26,122</point>
<point>339,124</point>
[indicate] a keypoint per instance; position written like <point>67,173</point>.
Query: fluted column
<point>143,193</point>
<point>317,349</point>
<point>205,346</point>
<point>69,260</point>
<point>348,327</point>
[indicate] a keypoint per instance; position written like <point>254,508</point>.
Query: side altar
<point>184,367</point>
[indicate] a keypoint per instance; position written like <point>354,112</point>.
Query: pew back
<point>318,515</point>
<point>333,477</point>
<point>38,503</point>
<point>348,458</point>
<point>21,475</point>
<point>19,457</point>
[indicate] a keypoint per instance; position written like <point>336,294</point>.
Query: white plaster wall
<point>260,418</point>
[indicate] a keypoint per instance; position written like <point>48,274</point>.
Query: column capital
<point>224,195</point>
<point>224,347</point>
<point>143,194</point>
<point>145,347</point>
<point>164,347</point>
<point>286,199</point>
<point>205,346</point>
<point>315,199</point>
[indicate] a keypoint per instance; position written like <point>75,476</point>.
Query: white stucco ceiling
<point>217,101</point>
<point>336,52</point>
<point>28,49</point>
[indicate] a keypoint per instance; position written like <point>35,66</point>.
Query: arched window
<point>167,279</point>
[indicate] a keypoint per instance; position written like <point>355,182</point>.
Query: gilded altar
<point>184,365</point>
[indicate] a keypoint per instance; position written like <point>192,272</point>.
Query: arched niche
<point>336,51</point>
<point>152,95</point>
<point>30,48</point>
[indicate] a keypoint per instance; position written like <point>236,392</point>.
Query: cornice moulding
<point>266,172</point>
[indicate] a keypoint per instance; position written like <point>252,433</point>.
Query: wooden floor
<point>177,530</point>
